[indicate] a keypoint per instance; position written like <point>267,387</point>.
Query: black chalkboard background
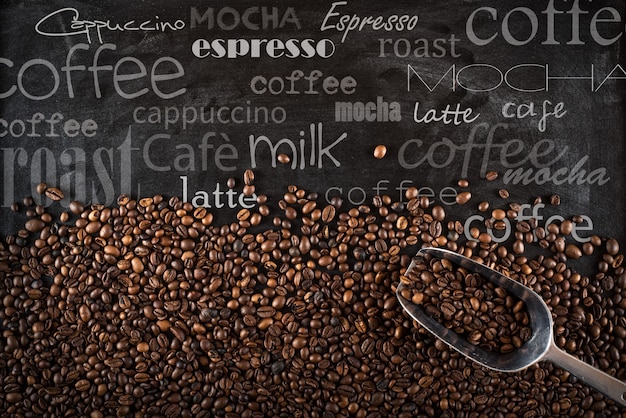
<point>122,97</point>
<point>96,169</point>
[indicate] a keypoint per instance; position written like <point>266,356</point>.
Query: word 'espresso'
<point>258,48</point>
<point>347,23</point>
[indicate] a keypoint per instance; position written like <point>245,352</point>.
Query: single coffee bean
<point>491,175</point>
<point>34,225</point>
<point>266,311</point>
<point>124,302</point>
<point>248,177</point>
<point>380,151</point>
<point>41,188</point>
<point>573,251</point>
<point>142,377</point>
<point>82,385</point>
<point>612,246</point>
<point>248,190</point>
<point>146,201</point>
<point>54,193</point>
<point>463,197</point>
<point>123,200</point>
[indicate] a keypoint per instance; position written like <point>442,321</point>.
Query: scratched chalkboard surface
<point>105,99</point>
<point>347,99</point>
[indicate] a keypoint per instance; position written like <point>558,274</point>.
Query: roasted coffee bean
<point>248,177</point>
<point>491,175</point>
<point>328,213</point>
<point>114,363</point>
<point>54,194</point>
<point>82,385</point>
<point>380,151</point>
<point>612,246</point>
<point>34,225</point>
<point>142,377</point>
<point>124,302</point>
<point>248,190</point>
<point>41,188</point>
<point>266,311</point>
<point>283,158</point>
<point>346,390</point>
<point>463,197</point>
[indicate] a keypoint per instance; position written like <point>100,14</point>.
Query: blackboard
<point>139,131</point>
<point>109,98</point>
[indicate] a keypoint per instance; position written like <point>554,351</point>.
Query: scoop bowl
<point>540,346</point>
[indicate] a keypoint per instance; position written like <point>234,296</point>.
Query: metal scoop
<point>541,345</point>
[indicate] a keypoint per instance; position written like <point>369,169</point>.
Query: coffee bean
<point>124,302</point>
<point>573,251</point>
<point>248,177</point>
<point>146,201</point>
<point>283,158</point>
<point>612,246</point>
<point>266,311</point>
<point>85,313</point>
<point>368,346</point>
<point>448,308</point>
<point>248,190</point>
<point>114,362</point>
<point>380,151</point>
<point>34,225</point>
<point>142,377</point>
<point>82,385</point>
<point>328,213</point>
<point>491,175</point>
<point>345,390</point>
<point>54,194</point>
<point>41,188</point>
<point>463,197</point>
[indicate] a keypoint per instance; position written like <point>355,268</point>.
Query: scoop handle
<point>604,383</point>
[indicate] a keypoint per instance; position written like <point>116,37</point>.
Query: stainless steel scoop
<point>541,345</point>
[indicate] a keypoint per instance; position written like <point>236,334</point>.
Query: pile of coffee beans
<point>152,307</point>
<point>473,307</point>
